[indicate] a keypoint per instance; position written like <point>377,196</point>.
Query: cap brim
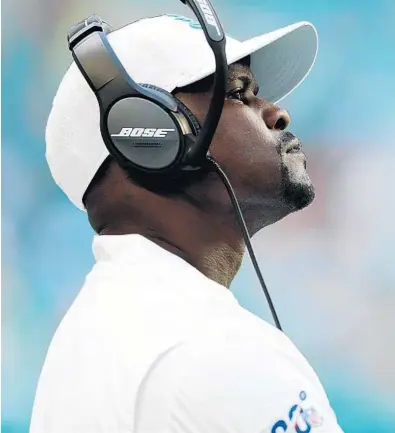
<point>280,60</point>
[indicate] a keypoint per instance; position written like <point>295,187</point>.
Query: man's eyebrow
<point>248,79</point>
<point>242,72</point>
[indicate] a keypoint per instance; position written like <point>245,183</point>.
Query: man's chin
<point>298,190</point>
<point>299,195</point>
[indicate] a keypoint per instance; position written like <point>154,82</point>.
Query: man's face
<point>263,161</point>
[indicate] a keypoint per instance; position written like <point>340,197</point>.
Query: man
<point>155,341</point>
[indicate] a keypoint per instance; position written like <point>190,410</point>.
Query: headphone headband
<point>216,39</point>
<point>208,19</point>
<point>110,81</point>
<point>101,67</point>
<point>79,31</point>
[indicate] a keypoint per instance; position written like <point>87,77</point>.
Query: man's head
<point>252,145</point>
<point>262,159</point>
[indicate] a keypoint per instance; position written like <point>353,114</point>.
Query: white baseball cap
<point>169,52</point>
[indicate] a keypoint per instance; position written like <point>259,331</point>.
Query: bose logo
<point>143,132</point>
<point>208,13</point>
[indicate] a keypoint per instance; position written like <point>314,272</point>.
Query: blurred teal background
<point>331,268</point>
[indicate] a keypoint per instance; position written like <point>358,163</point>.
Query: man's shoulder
<point>231,382</point>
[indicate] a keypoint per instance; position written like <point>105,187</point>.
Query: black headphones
<point>145,128</point>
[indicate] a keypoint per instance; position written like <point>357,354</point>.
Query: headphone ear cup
<point>194,123</point>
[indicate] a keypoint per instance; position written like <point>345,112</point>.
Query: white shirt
<point>151,345</point>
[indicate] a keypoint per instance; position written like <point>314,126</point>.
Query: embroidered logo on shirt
<point>300,419</point>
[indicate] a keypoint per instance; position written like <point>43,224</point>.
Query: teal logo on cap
<point>193,24</point>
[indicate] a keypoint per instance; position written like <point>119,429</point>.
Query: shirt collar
<point>135,250</point>
<point>132,247</point>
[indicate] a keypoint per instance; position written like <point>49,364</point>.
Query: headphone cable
<point>246,236</point>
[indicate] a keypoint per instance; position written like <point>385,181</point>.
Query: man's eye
<point>236,94</point>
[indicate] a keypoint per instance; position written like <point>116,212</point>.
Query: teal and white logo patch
<point>193,24</point>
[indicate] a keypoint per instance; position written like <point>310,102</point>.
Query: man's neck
<point>207,246</point>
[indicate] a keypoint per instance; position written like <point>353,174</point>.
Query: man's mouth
<point>293,146</point>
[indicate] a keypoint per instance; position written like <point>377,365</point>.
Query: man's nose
<point>275,117</point>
